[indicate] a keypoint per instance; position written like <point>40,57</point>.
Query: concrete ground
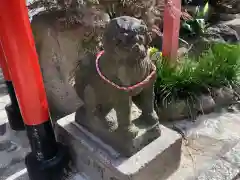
<point>211,149</point>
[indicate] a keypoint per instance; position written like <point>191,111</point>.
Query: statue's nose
<point>125,38</point>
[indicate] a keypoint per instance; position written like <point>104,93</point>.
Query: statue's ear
<point>146,32</point>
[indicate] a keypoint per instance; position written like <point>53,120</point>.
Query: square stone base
<point>98,161</point>
<point>119,140</point>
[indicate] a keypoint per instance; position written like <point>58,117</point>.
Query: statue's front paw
<point>130,131</point>
<point>110,125</point>
<point>150,119</point>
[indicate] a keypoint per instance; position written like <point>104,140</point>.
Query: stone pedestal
<point>119,140</point>
<point>98,161</point>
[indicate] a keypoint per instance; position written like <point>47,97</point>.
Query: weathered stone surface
<point>221,170</point>
<point>221,33</point>
<point>97,160</point>
<point>123,75</point>
<point>180,109</point>
<point>182,51</point>
<point>226,17</point>
<point>58,52</point>
<point>234,24</point>
<point>233,156</point>
<point>176,110</point>
<point>205,104</point>
<point>207,140</point>
<point>118,139</point>
<point>223,96</point>
<point>228,7</point>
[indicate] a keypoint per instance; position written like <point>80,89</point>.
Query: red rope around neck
<point>129,88</point>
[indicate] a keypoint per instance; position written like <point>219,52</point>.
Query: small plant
<point>197,24</point>
<point>218,67</point>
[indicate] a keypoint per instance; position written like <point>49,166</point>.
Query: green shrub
<point>219,66</point>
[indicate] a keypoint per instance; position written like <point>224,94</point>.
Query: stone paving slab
<point>225,168</point>
<point>210,138</point>
<point>221,170</point>
<point>233,156</point>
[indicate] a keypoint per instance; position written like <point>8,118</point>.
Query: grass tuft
<point>186,80</point>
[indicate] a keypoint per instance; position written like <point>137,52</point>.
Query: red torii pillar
<point>12,109</point>
<point>171,26</point>
<point>48,158</point>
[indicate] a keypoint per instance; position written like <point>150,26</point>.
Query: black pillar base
<point>14,117</point>
<point>52,169</point>
<point>13,112</point>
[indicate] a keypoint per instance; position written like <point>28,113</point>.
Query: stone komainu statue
<point>108,84</point>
